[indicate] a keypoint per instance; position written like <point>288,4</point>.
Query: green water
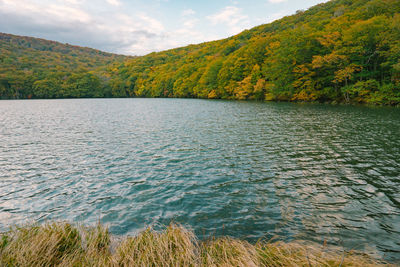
<point>246,169</point>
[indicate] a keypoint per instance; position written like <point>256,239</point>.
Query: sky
<point>138,27</point>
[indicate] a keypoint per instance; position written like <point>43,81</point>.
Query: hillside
<point>340,51</point>
<point>32,67</point>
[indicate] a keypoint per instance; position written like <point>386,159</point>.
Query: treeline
<point>339,51</point>
<point>37,68</point>
<point>342,51</point>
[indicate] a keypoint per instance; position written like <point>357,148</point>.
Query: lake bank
<point>64,244</point>
<point>328,103</point>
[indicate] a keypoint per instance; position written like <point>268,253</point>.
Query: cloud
<point>114,2</point>
<point>190,23</point>
<point>39,13</point>
<point>276,1</point>
<point>118,32</point>
<point>135,29</point>
<point>68,23</point>
<point>231,16</point>
<point>276,16</point>
<point>75,2</point>
<point>188,12</point>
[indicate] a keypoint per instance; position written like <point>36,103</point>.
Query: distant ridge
<point>340,51</point>
<point>48,45</point>
<point>34,68</point>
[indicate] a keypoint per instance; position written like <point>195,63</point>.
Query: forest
<point>342,51</point>
<point>37,68</point>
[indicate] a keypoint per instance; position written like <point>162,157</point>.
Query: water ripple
<point>249,170</point>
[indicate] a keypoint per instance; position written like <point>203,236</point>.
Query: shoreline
<point>65,244</point>
<point>330,103</point>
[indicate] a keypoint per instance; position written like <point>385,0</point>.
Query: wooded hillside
<point>37,68</point>
<point>339,51</point>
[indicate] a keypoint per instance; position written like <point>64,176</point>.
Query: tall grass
<point>63,244</point>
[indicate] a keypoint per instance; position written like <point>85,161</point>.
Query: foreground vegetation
<point>340,51</point>
<point>62,244</point>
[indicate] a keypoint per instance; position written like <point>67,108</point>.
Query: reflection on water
<point>250,170</point>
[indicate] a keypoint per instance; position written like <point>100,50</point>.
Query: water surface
<point>246,169</point>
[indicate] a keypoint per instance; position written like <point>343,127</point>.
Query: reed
<point>64,244</point>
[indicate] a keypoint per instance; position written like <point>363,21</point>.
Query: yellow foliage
<point>212,95</point>
<point>275,45</point>
<point>328,60</point>
<point>346,73</point>
<point>244,89</point>
<point>259,87</point>
<point>305,96</point>
<point>329,39</point>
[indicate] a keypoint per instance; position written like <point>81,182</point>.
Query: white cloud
<point>40,13</point>
<point>190,23</point>
<point>74,2</point>
<point>151,23</point>
<point>120,32</point>
<point>114,2</point>
<point>276,16</point>
<point>188,12</point>
<point>277,1</point>
<point>116,32</point>
<point>231,16</point>
<point>135,31</point>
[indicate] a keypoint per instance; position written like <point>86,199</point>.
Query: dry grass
<point>295,254</point>
<point>62,244</point>
<point>46,245</point>
<point>173,247</point>
<point>229,252</point>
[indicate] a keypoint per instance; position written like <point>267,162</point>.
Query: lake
<point>246,169</point>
